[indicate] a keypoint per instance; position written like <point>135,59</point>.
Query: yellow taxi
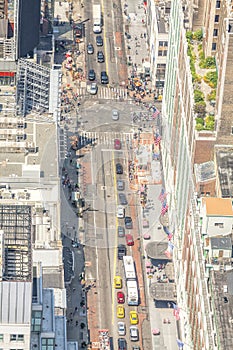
<point>117,282</point>
<point>120,311</point>
<point>133,317</point>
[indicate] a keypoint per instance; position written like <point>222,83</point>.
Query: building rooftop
<point>224,160</point>
<point>218,206</point>
<point>205,171</point>
<point>223,299</point>
<point>224,243</point>
<point>156,250</point>
<point>163,291</point>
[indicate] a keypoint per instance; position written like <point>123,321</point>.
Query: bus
<point>132,292</point>
<point>130,273</point>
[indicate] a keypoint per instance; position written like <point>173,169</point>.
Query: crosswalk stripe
<point>105,93</point>
<point>106,138</point>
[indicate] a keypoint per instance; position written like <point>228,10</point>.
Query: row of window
<point>13,337</point>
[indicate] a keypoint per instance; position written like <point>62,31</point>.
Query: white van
<point>134,335</point>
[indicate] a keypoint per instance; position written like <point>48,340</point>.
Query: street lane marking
<point>116,239</point>
<point>105,41</point>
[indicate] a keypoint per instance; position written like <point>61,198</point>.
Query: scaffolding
<point>33,86</point>
<point>15,222</point>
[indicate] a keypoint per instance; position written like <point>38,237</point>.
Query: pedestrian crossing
<point>105,93</point>
<point>104,138</point>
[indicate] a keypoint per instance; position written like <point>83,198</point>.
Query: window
<point>36,321</point>
<point>215,32</point>
<point>47,344</point>
<point>216,19</point>
<point>1,338</point>
<point>163,43</point>
<point>214,46</point>
<point>162,53</point>
<point>16,337</point>
<point>218,4</point>
<point>219,224</point>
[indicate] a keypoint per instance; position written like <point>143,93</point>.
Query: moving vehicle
<point>128,222</point>
<point>97,21</point>
<point>78,30</point>
<point>90,49</point>
<point>100,57</point>
<point>121,344</point>
<point>121,328</point>
<point>133,317</point>
<point>132,293</point>
<point>91,74</point>
<point>121,251</point>
<point>134,334</point>
<point>120,297</point>
<point>117,144</point>
<point>122,199</point>
<point>93,89</point>
<point>120,185</point>
<point>119,169</point>
<point>129,268</point>
<point>115,114</point>
<point>129,239</point>
<point>99,40</point>
<point>120,311</point>
<point>104,78</point>
<point>118,282</point>
<point>120,212</point>
<point>121,231</point>
<point>136,347</point>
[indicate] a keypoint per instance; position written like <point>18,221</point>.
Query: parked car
<point>120,212</point>
<point>117,144</point>
<point>78,30</point>
<point>121,344</point>
<point>128,222</point>
<point>129,239</point>
<point>99,40</point>
<point>122,199</point>
<point>90,49</point>
<point>104,78</point>
<point>120,185</point>
<point>100,57</point>
<point>115,114</point>
<point>91,74</point>
<point>120,298</point>
<point>119,169</point>
<point>121,328</point>
<point>93,89</point>
<point>121,251</point>
<point>121,231</point>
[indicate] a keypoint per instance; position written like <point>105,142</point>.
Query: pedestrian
<point>136,52</point>
<point>74,289</point>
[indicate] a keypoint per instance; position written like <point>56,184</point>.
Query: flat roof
<point>224,160</point>
<point>163,291</point>
<point>221,243</point>
<point>156,250</point>
<point>218,206</point>
<point>223,299</point>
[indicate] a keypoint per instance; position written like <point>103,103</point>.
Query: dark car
<point>123,199</point>
<point>91,74</point>
<point>121,344</point>
<point>78,30</point>
<point>99,40</point>
<point>121,251</point>
<point>100,56</point>
<point>104,78</point>
<point>119,168</point>
<point>121,231</point>
<point>128,222</point>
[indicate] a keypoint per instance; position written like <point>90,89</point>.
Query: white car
<point>120,212</point>
<point>134,335</point>
<point>93,89</point>
<point>115,114</point>
<point>121,328</point>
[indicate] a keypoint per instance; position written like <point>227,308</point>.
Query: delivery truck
<point>97,21</point>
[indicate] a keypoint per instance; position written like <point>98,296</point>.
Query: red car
<point>120,298</point>
<point>129,239</point>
